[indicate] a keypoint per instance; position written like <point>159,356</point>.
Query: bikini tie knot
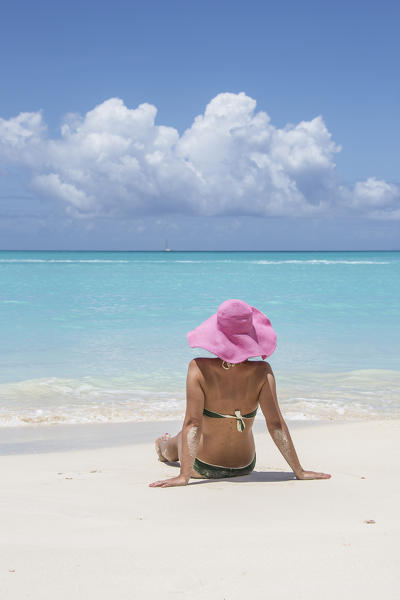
<point>239,421</point>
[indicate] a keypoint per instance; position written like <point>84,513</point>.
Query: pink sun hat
<point>235,332</point>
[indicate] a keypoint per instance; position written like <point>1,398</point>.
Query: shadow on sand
<point>255,476</point>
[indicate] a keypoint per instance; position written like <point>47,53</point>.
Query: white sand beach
<point>79,521</point>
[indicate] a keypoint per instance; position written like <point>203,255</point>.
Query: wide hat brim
<point>235,348</point>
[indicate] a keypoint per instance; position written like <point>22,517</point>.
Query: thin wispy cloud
<point>116,161</point>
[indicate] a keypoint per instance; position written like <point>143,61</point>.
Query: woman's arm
<point>192,425</point>
<point>191,430</point>
<point>278,429</point>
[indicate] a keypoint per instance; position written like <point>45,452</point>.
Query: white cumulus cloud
<point>232,161</point>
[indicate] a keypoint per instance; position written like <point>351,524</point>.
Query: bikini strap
<point>251,414</point>
<point>240,424</point>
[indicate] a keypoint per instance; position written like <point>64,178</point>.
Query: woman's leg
<point>168,448</point>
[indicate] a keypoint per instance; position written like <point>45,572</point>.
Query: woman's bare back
<point>219,441</point>
<point>227,390</point>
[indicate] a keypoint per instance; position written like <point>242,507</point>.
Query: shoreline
<point>34,439</point>
<point>37,439</point>
<point>65,437</point>
<point>44,401</point>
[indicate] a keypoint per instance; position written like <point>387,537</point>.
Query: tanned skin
<point>245,386</point>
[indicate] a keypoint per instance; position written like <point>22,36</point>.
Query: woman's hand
<point>312,475</point>
<point>172,482</point>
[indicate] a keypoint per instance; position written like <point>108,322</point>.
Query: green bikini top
<point>239,418</point>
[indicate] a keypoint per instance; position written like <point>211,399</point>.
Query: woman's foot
<point>161,444</point>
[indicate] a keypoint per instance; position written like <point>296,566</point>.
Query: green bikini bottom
<point>218,472</point>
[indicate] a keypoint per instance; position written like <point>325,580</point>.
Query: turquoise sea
<point>101,336</point>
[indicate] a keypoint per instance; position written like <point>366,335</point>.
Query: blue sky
<point>217,125</point>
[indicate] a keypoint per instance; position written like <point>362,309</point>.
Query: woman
<point>222,397</point>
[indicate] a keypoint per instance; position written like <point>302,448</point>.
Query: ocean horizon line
<point>195,251</point>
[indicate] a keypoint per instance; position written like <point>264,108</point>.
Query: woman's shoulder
<point>202,363</point>
<point>203,360</point>
<point>259,364</point>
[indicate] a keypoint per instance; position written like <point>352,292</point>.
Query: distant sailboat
<point>166,249</point>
